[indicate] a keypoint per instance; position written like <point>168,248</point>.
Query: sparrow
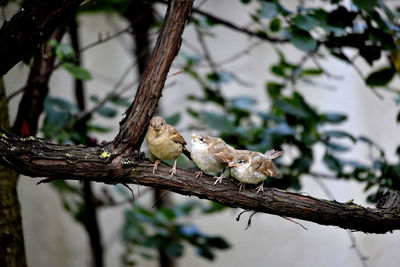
<point>211,155</point>
<point>251,167</point>
<point>165,143</point>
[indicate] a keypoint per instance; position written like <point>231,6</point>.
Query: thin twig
<point>359,72</point>
<point>249,220</point>
<point>327,73</point>
<point>293,221</point>
<point>109,96</point>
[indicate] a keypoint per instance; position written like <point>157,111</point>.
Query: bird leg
<point>260,187</point>
<point>219,178</point>
<point>198,174</point>
<point>173,170</point>
<point>155,167</point>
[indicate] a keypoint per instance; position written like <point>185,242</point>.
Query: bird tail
<point>273,172</point>
<point>273,154</point>
<point>186,152</point>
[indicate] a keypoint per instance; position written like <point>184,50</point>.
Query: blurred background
<point>316,79</point>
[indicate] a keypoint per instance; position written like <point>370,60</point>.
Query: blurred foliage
<point>147,229</point>
<point>368,29</point>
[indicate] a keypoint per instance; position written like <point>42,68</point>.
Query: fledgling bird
<point>211,154</point>
<point>251,167</point>
<point>165,143</point>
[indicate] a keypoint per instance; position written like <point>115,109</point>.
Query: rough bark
<point>38,158</point>
<point>12,249</point>
<point>133,127</point>
<point>23,34</point>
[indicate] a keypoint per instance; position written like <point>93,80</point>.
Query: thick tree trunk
<point>12,249</point>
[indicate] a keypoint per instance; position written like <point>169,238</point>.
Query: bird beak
<point>233,164</point>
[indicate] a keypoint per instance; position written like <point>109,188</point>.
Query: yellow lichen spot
<point>4,136</point>
<point>105,154</point>
<point>29,138</point>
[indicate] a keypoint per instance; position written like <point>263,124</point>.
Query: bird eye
<point>162,124</point>
<point>201,139</point>
<point>240,161</point>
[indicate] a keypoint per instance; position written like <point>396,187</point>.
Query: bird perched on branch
<point>165,143</point>
<point>211,154</point>
<point>250,167</point>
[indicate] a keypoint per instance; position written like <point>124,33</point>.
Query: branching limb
<point>35,157</point>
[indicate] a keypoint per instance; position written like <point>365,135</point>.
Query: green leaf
<point>174,249</point>
<point>107,112</point>
<point>331,162</point>
<point>334,117</point>
<point>336,146</point>
<point>173,119</point>
<point>119,101</point>
<point>301,39</point>
<point>218,121</point>
<point>78,72</point>
<point>306,23</point>
<point>268,10</point>
<point>274,89</point>
<point>291,109</point>
<point>243,102</point>
<point>205,252</point>
<point>380,77</point>
<point>282,129</point>
<point>64,51</point>
<point>339,134</point>
<point>365,4</point>
<point>275,25</point>
<point>312,72</point>
<point>98,128</point>
<point>217,242</point>
<point>278,70</point>
<point>168,213</point>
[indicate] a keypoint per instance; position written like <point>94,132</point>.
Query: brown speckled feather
<point>221,151</point>
<point>263,165</point>
<point>176,136</point>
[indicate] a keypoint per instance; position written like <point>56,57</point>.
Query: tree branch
<point>35,157</point>
<point>20,37</point>
<point>133,127</point>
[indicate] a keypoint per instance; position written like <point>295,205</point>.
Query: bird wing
<point>222,152</point>
<point>264,165</point>
<point>176,136</point>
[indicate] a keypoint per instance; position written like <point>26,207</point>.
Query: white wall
<point>54,239</point>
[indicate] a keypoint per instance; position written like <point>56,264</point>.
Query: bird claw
<point>198,174</point>
<point>241,185</point>
<point>218,179</point>
<point>260,188</point>
<point>155,167</point>
<point>172,172</point>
